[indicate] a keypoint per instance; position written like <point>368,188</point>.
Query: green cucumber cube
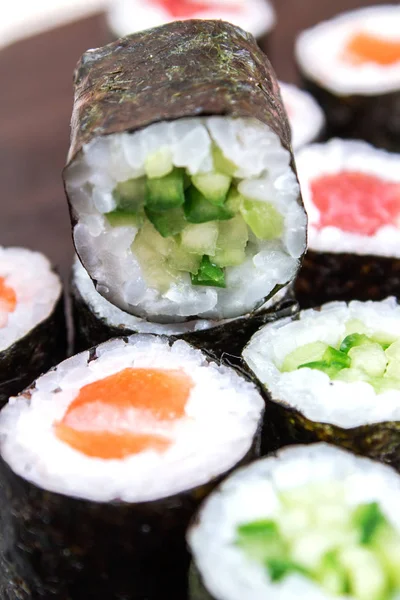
<point>221,163</point>
<point>164,193</point>
<point>368,519</point>
<point>355,326</point>
<point>332,575</point>
<point>169,222</point>
<point>353,340</point>
<point>234,200</point>
<point>263,219</point>
<point>393,370</point>
<point>200,238</point>
<point>332,355</point>
<point>181,260</point>
<point>121,218</point>
<point>213,186</point>
<point>367,578</point>
<point>393,351</point>
<point>278,568</point>
<point>199,210</point>
<point>231,243</point>
<point>153,260</point>
<point>384,384</point>
<point>159,163</point>
<point>330,368</point>
<point>130,195</point>
<point>351,375</point>
<point>311,352</point>
<point>369,357</point>
<point>209,274</point>
<point>261,540</point>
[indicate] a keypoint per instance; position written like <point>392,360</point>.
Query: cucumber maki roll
<point>306,118</point>
<point>312,522</point>
<point>352,194</point>
<point>96,320</point>
<point>32,322</point>
<point>351,64</point>
<point>333,375</point>
<point>103,462</point>
<point>182,188</point>
<point>129,16</point>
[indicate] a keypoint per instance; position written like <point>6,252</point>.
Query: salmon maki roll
<point>306,118</point>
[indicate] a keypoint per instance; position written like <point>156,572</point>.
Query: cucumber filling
<point>352,551</point>
<point>207,222</point>
<point>358,357</point>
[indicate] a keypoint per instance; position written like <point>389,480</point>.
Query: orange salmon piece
<point>107,418</point>
<point>8,298</point>
<point>367,48</point>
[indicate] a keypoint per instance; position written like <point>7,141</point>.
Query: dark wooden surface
<point>35,107</point>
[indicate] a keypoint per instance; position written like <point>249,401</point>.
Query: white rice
<point>252,493</point>
<point>222,416</point>
<point>311,391</point>
<point>319,52</point>
<point>115,317</point>
<point>37,290</point>
<point>129,16</point>
<point>106,251</point>
<point>305,115</point>
<point>336,156</point>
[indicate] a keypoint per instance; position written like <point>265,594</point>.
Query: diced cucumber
<point>387,546</point>
<point>221,163</point>
<point>351,375</point>
<point>149,236</point>
<point>181,260</point>
<point>168,222</point>
<point>164,193</point>
<point>330,368</point>
<point>231,243</point>
<point>393,351</point>
<point>393,370</point>
<point>353,340</point>
<point>130,195</point>
<point>383,339</point>
<point>154,265</point>
<point>121,218</point>
<point>159,163</point>
<point>209,274</point>
<point>261,540</point>
<point>384,384</point>
<point>200,238</point>
<point>367,578</point>
<point>199,210</point>
<point>262,218</point>
<point>369,357</point>
<point>355,326</point>
<point>332,355</point>
<point>213,186</point>
<point>332,575</point>
<point>368,518</point>
<point>234,201</point>
<point>278,568</point>
<point>311,352</point>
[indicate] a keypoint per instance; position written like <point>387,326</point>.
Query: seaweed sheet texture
<point>327,276</point>
<point>59,547</point>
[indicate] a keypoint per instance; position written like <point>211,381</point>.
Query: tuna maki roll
<point>103,462</point>
<point>32,324</point>
<point>312,522</point>
<point>351,64</point>
<point>306,118</point>
<point>333,375</point>
<point>352,194</point>
<point>96,320</point>
<point>182,188</point>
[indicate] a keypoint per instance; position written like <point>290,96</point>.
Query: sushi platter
<point>200,387</point>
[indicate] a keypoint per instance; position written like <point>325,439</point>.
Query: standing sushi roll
<point>103,462</point>
<point>32,323</point>
<point>312,522</point>
<point>306,118</point>
<point>181,184</point>
<point>96,320</point>
<point>352,194</point>
<point>351,64</point>
<point>130,16</point>
<point>333,375</point>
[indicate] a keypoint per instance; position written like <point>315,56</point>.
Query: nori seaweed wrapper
<point>64,548</point>
<point>197,589</point>
<point>375,119</point>
<point>327,276</point>
<point>33,354</point>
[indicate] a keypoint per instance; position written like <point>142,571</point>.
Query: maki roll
<point>129,16</point>
<point>306,118</point>
<point>96,320</point>
<point>333,375</point>
<point>351,64</point>
<point>182,188</point>
<point>352,194</point>
<point>312,522</point>
<point>103,462</point>
<point>32,323</point>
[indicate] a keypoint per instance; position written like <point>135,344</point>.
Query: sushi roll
<point>352,194</point>
<point>32,322</point>
<point>96,320</point>
<point>333,375</point>
<point>104,460</point>
<point>312,522</point>
<point>130,16</point>
<point>181,184</point>
<point>306,118</point>
<point>351,64</point>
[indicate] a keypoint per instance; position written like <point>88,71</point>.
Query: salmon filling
<point>367,48</point>
<point>183,9</point>
<point>8,301</point>
<point>356,202</point>
<point>109,417</point>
